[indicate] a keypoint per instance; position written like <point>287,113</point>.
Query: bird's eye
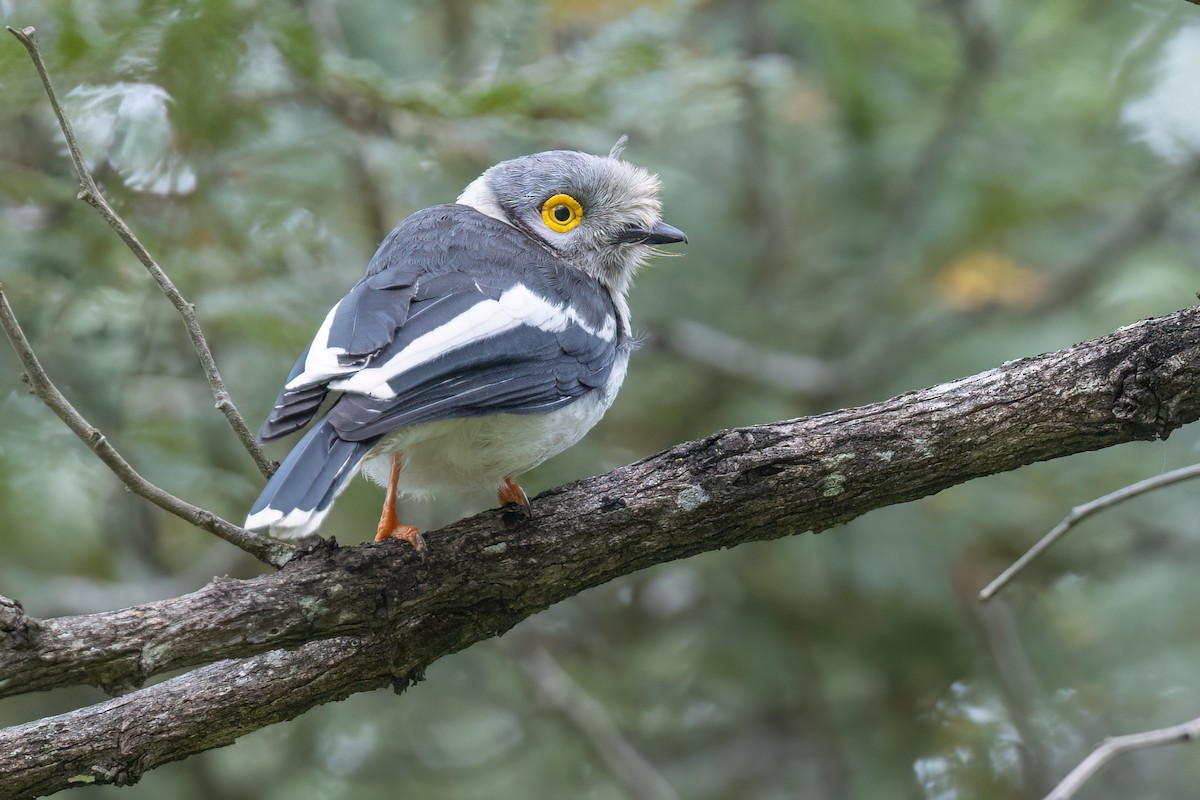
<point>562,213</point>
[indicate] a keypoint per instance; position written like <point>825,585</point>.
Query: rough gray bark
<point>341,620</point>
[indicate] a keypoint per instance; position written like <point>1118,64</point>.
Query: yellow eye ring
<point>562,213</point>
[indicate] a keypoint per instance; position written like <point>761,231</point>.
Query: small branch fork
<point>1082,512</point>
<point>266,550</point>
<point>1114,746</point>
<point>90,193</point>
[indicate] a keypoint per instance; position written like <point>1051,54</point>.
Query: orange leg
<point>389,526</point>
<point>511,493</point>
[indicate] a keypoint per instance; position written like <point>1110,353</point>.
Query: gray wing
<point>459,315</point>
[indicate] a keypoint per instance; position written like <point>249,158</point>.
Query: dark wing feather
<point>524,370</point>
<point>432,269</point>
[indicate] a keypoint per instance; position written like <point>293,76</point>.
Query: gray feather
<point>313,474</point>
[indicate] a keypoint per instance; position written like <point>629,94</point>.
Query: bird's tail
<point>301,492</point>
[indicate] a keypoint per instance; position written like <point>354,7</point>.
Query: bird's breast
<point>479,452</point>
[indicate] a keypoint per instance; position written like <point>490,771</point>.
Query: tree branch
<point>269,551</point>
<point>116,741</point>
<point>1079,514</point>
<point>90,193</point>
<point>336,621</point>
<point>1114,746</point>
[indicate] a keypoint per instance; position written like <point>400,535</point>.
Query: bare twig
<point>266,550</point>
<point>1114,746</point>
<point>1079,514</point>
<point>90,193</point>
<point>558,690</point>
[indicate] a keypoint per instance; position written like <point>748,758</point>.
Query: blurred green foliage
<point>906,192</point>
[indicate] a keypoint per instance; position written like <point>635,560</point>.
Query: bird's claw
<point>511,494</point>
<point>407,533</point>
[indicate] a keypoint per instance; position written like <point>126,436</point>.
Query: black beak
<point>662,233</point>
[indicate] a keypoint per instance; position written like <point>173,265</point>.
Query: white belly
<point>479,452</point>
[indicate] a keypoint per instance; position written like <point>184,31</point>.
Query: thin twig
<point>1080,513</point>
<point>90,193</point>
<point>266,550</point>
<point>1114,746</point>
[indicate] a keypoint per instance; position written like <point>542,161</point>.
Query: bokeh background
<point>879,196</point>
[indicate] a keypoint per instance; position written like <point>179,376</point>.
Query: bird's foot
<point>511,494</point>
<point>391,528</point>
<point>407,533</point>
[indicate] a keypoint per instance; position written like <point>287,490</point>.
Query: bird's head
<point>601,214</point>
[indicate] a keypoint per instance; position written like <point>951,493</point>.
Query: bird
<point>486,336</point>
